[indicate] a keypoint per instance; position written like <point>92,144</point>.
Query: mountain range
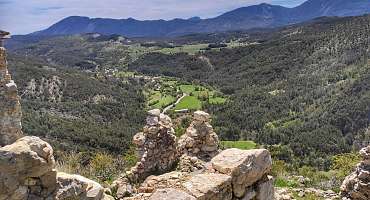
<point>256,16</point>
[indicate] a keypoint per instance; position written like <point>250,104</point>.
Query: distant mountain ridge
<point>257,16</point>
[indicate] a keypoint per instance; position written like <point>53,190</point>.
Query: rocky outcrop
<point>78,187</point>
<point>27,171</point>
<point>225,178</point>
<point>10,109</point>
<point>356,186</point>
<point>50,90</point>
<point>202,172</point>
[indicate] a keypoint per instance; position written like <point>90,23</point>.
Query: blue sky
<point>26,16</point>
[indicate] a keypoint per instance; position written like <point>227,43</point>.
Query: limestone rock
<point>123,187</point>
<point>26,169</point>
<point>245,166</point>
<point>201,116</point>
<point>76,186</point>
<point>27,172</point>
<point>265,188</point>
<point>27,157</point>
<point>356,186</point>
<point>171,194</point>
<point>210,187</point>
<point>201,174</point>
<point>190,164</point>
<point>10,109</point>
<point>172,179</point>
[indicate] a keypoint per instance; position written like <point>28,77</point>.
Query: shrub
<point>344,163</point>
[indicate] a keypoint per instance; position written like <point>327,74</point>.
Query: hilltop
<point>256,16</point>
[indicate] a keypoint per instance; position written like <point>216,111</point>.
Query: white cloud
<point>25,16</point>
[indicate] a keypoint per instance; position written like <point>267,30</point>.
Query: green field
<point>189,102</point>
<point>193,49</point>
<point>244,145</point>
<point>187,88</point>
<point>190,49</point>
<point>170,88</point>
<point>159,100</point>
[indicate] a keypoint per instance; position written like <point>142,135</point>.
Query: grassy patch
<point>244,145</point>
<point>190,49</point>
<point>189,102</point>
<point>285,183</point>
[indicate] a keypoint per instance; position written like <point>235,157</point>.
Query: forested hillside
<point>305,89</point>
<point>75,110</point>
<point>302,88</point>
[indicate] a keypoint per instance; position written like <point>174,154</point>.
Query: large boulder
<point>25,166</point>
<point>356,186</point>
<point>78,187</point>
<point>27,172</point>
<point>245,167</point>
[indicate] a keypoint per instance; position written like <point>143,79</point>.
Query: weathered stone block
<point>210,187</point>
<point>245,167</point>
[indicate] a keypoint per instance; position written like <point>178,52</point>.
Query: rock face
<point>356,186</point>
<point>156,147</point>
<point>10,109</point>
<point>232,175</point>
<point>199,139</point>
<point>27,172</point>
<point>50,90</point>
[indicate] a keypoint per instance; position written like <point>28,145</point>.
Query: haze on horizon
<point>23,17</point>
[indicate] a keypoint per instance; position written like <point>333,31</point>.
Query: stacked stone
<point>10,109</point>
<point>156,147</point>
<point>199,140</point>
<point>356,186</point>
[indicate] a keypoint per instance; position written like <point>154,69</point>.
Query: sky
<point>26,16</point>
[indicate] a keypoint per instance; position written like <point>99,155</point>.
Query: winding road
<point>174,104</point>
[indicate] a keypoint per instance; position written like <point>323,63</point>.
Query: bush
<point>345,163</point>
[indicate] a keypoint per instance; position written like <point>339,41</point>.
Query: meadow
<point>164,92</point>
